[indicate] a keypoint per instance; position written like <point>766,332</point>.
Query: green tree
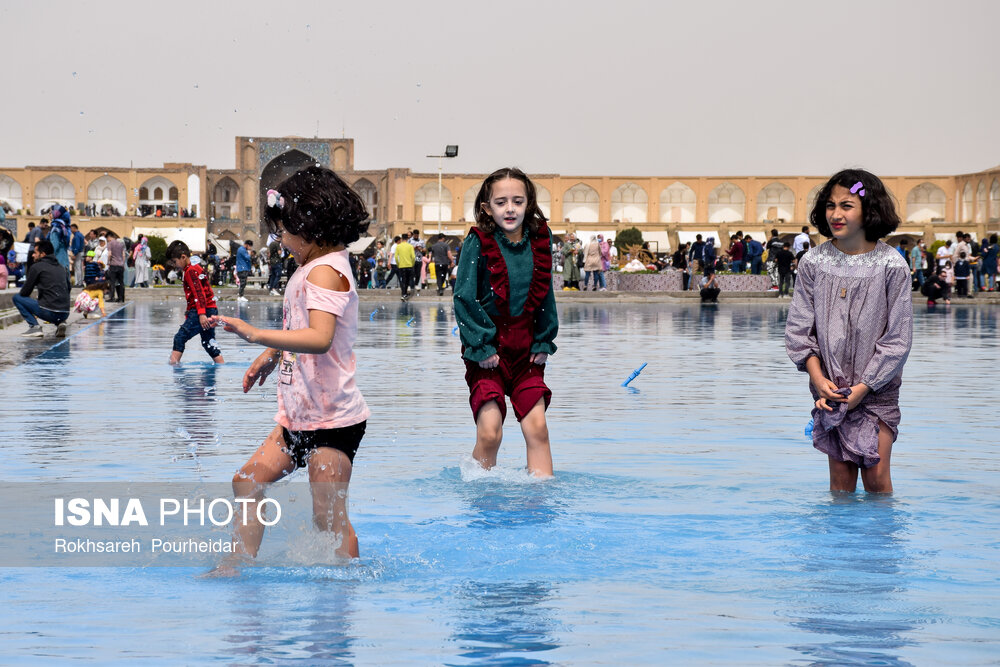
<point>157,249</point>
<point>627,237</point>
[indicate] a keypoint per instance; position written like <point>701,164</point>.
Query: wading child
<point>201,306</point>
<point>321,413</point>
<point>507,319</point>
<point>850,326</point>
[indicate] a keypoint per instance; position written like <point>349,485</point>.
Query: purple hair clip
<point>858,189</point>
<point>274,198</point>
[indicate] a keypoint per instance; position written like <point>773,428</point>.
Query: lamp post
<point>451,150</point>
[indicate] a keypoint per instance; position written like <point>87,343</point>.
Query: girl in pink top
<point>321,414</point>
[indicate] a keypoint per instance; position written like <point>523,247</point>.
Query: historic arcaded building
<point>190,201</point>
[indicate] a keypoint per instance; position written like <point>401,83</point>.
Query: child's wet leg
<point>536,438</point>
<point>877,478</point>
<point>329,476</point>
<point>843,475</point>
<point>268,464</point>
<point>175,357</point>
<point>489,433</point>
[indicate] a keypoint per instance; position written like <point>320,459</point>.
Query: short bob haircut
<point>534,219</point>
<point>878,209</point>
<point>319,207</point>
<point>176,249</point>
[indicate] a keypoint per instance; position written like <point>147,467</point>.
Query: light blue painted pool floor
<point>689,521</point>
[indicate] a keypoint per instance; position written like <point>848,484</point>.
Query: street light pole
<point>451,150</point>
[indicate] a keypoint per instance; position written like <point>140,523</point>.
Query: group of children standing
<point>849,327</point>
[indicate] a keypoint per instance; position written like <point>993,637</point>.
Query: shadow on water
<point>504,623</point>
<point>853,586</point>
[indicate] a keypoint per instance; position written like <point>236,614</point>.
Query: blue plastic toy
<point>454,332</point>
<point>372,316</point>
<point>634,375</point>
<point>809,428</point>
<point>410,322</point>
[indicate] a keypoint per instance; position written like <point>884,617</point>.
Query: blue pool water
<point>689,521</point>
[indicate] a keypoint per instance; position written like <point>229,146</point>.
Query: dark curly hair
<point>319,207</point>
<point>878,208</point>
<point>534,219</point>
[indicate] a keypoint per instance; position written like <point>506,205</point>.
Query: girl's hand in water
<point>239,327</point>
<point>260,369</point>
<point>490,362</point>
<point>539,358</point>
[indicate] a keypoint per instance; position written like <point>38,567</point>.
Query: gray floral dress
<point>854,312</point>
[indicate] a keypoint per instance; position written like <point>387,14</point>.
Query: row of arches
<point>726,203</point>
<point>979,211</point>
<point>103,191</point>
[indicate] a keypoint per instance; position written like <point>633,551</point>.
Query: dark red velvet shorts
<point>522,380</point>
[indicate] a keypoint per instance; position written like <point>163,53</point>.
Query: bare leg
<point>329,474</point>
<point>268,464</point>
<point>219,359</point>
<point>843,476</point>
<point>876,478</point>
<point>489,433</point>
<point>536,438</point>
<point>175,357</point>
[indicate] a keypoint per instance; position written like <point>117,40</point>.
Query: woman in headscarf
<point>59,234</point>
<point>141,255</point>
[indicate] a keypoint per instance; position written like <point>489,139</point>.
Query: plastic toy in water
<point>634,375</point>
<point>809,428</point>
<point>410,321</point>
<point>372,316</point>
<point>454,332</point>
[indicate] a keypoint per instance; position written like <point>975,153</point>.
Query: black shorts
<point>302,443</point>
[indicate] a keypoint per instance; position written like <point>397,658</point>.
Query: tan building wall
<point>668,210</point>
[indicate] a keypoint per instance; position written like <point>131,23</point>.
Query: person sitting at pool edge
<point>52,281</point>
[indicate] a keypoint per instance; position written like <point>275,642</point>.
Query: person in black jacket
<point>52,281</point>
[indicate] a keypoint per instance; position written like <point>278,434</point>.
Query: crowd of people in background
<point>960,267</point>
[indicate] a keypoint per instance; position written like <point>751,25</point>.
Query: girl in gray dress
<point>850,326</point>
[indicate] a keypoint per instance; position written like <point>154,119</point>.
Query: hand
<point>490,362</point>
<point>827,391</point>
<point>206,321</point>
<point>237,326</point>
<point>539,358</point>
<point>260,369</point>
<point>858,392</point>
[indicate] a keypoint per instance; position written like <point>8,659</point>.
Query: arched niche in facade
<point>429,207</point>
<point>925,203</point>
<point>369,195</point>
<point>155,195</point>
<point>967,203</point>
<point>226,199</point>
<point>775,201</point>
<point>339,159</point>
<point>726,203</point>
<point>678,203</point>
<point>629,203</point>
<point>469,203</point>
<point>11,193</point>
<point>981,202</point>
<point>581,203</point>
<point>107,195</point>
<point>544,199</point>
<point>994,200</point>
<point>811,201</point>
<point>54,189</point>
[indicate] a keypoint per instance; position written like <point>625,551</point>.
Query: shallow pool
<point>689,521</point>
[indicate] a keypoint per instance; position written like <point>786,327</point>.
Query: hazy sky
<point>584,88</point>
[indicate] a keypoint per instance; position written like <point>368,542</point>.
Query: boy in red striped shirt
<point>201,307</point>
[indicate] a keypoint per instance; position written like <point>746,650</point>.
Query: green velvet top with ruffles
<point>474,301</point>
